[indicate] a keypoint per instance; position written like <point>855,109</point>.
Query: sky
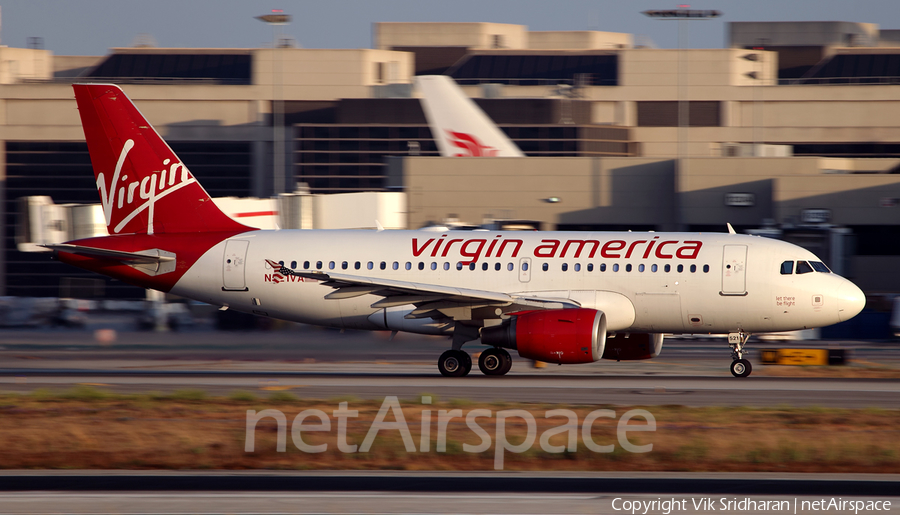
<point>91,27</point>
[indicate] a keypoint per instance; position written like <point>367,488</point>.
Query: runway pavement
<point>398,492</point>
<point>323,364</point>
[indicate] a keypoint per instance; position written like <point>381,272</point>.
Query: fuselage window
<point>293,264</point>
<point>319,265</point>
<point>434,265</point>
<point>693,268</point>
<point>653,268</point>
<point>565,266</point>
<point>395,265</point>
<point>331,265</point>
<point>787,268</point>
<point>356,265</point>
<point>667,268</point>
<point>383,265</point>
<point>545,267</point>
<point>590,267</point>
<point>641,267</point>
<point>524,267</point>
<point>510,267</point>
<point>306,265</point>
<point>602,267</point>
<point>408,265</point>
<point>615,267</point>
<point>680,268</point>
<point>472,265</point>
<point>819,266</point>
<point>370,265</point>
<point>803,267</point>
<point>281,263</point>
<point>628,267</point>
<point>421,265</point>
<point>577,267</point>
<point>446,265</point>
<point>344,265</point>
<point>459,265</point>
<point>484,266</point>
<point>497,267</point>
<point>705,269</point>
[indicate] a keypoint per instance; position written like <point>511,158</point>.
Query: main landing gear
<point>458,363</point>
<point>740,367</point>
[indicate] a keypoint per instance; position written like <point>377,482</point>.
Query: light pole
<point>277,19</point>
<point>683,14</point>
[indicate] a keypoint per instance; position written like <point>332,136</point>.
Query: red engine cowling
<point>555,336</point>
<point>628,347</point>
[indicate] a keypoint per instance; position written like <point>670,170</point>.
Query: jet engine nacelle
<point>555,336</point>
<point>627,347</point>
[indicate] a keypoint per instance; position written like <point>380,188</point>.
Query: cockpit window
<point>803,267</point>
<point>819,266</point>
<point>787,268</point>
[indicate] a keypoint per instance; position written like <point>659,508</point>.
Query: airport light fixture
<point>277,18</point>
<point>683,14</point>
<point>694,14</point>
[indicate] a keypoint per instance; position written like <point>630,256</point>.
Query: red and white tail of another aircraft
<point>562,297</point>
<point>459,127</point>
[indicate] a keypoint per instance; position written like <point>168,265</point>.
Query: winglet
<point>378,226</point>
<point>730,228</point>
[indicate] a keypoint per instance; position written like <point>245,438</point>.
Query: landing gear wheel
<point>494,362</point>
<point>468,362</point>
<point>454,363</point>
<point>741,368</point>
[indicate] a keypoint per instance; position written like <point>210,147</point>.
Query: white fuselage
<point>644,282</point>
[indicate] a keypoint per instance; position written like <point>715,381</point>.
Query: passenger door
<point>734,270</point>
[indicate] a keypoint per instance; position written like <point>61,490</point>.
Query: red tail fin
<point>144,187</point>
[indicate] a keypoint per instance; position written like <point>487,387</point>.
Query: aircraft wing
<point>431,300</point>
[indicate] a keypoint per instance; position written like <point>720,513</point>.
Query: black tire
<point>468,362</point>
<point>507,361</point>
<point>452,363</point>
<point>491,362</point>
<point>494,362</point>
<point>741,368</point>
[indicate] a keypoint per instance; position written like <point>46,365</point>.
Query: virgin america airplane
<point>559,297</point>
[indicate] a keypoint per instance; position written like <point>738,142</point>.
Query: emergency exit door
<point>734,270</point>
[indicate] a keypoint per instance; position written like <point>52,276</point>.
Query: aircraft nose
<point>850,300</point>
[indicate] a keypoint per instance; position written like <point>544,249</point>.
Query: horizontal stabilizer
<point>151,262</point>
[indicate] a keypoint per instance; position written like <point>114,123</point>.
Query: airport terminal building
<point>792,131</point>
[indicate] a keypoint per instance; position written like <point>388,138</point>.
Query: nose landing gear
<point>740,367</point>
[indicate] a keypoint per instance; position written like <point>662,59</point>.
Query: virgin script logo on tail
<point>124,194</point>
<point>471,146</point>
